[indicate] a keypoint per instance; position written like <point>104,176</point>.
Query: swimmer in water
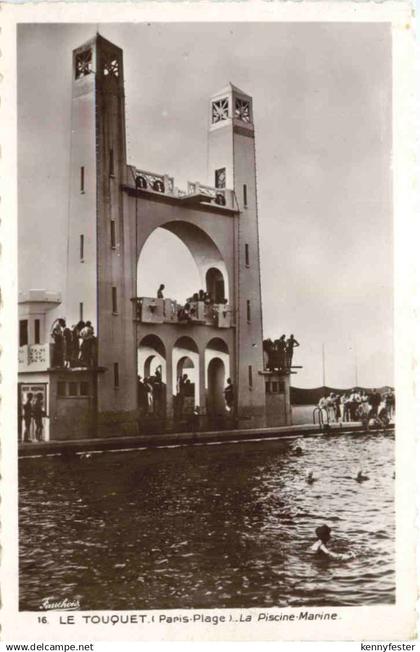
<point>298,451</point>
<point>310,479</point>
<point>323,534</point>
<point>360,477</point>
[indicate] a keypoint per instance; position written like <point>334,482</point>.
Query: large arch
<point>202,248</point>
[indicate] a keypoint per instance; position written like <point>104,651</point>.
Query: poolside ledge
<point>75,446</point>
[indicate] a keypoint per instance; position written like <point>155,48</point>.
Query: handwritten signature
<point>68,605</point>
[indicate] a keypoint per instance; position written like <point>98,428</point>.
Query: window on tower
<point>37,324</point>
<point>242,110</point>
<point>83,63</point>
<point>248,310</point>
<point>111,68</point>
<point>116,375</point>
<point>114,300</point>
<point>82,248</point>
<point>23,332</point>
<point>82,179</point>
<point>247,255</point>
<point>245,194</point>
<point>113,235</point>
<point>220,178</point>
<point>219,110</point>
<point>111,163</point>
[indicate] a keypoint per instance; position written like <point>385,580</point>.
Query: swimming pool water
<point>222,526</point>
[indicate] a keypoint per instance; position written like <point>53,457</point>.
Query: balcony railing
<point>164,184</point>
<point>35,357</point>
<point>161,183</point>
<point>217,196</point>
<point>167,311</point>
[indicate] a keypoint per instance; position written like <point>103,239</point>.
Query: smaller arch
<point>187,343</point>
<point>217,344</point>
<point>215,285</point>
<point>151,370</point>
<point>148,365</point>
<point>184,363</point>
<point>153,342</point>
<point>216,375</point>
<point>186,372</point>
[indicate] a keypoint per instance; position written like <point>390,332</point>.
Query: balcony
<point>167,311</point>
<point>34,357</point>
<point>197,193</point>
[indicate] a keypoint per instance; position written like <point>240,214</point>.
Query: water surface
<point>209,526</point>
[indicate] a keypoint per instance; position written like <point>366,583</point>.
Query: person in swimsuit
<point>323,534</point>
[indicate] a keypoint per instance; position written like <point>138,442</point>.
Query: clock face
<point>220,110</point>
<point>242,110</point>
<point>83,63</point>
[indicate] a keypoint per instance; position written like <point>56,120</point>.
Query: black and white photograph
<point>206,398</point>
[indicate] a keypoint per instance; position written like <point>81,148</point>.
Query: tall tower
<point>100,282</point>
<point>232,165</point>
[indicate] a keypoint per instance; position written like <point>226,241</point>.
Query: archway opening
<point>185,259</point>
<point>215,285</point>
<point>151,376</point>
<point>216,404</point>
<point>185,365</point>
<point>166,260</point>
<point>217,362</point>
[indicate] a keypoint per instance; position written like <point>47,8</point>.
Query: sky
<point>322,112</point>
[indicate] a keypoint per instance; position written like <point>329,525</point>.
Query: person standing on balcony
<point>291,343</point>
<point>160,291</point>
<point>87,335</point>
<point>75,334</point>
<point>68,346</point>
<point>27,417</point>
<point>57,335</point>
<point>281,352</point>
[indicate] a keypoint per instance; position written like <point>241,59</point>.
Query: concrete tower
<point>100,282</point>
<point>232,165</point>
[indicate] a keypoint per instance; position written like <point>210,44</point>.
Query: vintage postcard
<point>208,254</point>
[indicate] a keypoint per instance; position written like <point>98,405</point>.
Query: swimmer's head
<point>323,532</point>
<point>298,450</point>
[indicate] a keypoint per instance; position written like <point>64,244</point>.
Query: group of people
<point>358,406</point>
<point>33,414</point>
<point>187,312</point>
<point>75,346</point>
<point>279,353</point>
<point>150,393</point>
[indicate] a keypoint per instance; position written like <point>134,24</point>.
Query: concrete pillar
<point>288,407</point>
<point>202,381</point>
<point>169,384</point>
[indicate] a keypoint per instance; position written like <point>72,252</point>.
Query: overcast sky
<point>322,111</point>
